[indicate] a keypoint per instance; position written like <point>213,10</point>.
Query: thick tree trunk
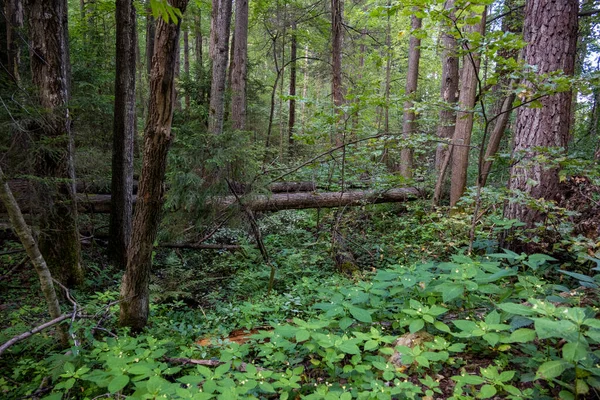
<point>239,66</point>
<point>14,22</point>
<point>25,236</point>
<point>157,139</point>
<point>292,92</point>
<point>464,118</point>
<point>219,51</point>
<point>59,239</point>
<point>337,89</point>
<point>123,133</point>
<point>550,30</point>
<point>412,77</point>
<point>449,89</point>
<point>150,36</point>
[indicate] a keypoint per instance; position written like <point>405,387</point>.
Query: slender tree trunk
<point>198,38</point>
<point>412,78</point>
<point>239,68</point>
<point>25,236</point>
<point>59,240</point>
<point>150,37</point>
<point>219,51</point>
<point>449,89</point>
<point>157,139</point>
<point>464,118</point>
<point>292,92</point>
<point>123,134</point>
<point>304,88</point>
<point>186,65</point>
<point>337,89</point>
<point>14,22</point>
<point>550,30</point>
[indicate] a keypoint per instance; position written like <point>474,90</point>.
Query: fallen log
<point>282,201</point>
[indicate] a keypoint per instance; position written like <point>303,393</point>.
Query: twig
<point>13,269</point>
<point>5,253</point>
<point>33,331</point>
<point>72,301</point>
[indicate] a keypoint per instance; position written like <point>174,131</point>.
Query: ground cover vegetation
<point>288,199</point>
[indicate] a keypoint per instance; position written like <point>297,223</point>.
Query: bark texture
<point>219,51</point>
<point>14,21</point>
<point>464,118</point>
<point>412,78</point>
<point>59,239</point>
<point>292,91</point>
<point>337,89</point>
<point>550,30</point>
<point>123,133</point>
<point>157,139</point>
<point>448,89</point>
<point>239,66</point>
<point>24,233</point>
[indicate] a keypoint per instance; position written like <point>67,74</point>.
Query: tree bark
<point>412,78</point>
<point>186,66</point>
<point>239,66</point>
<point>219,51</point>
<point>157,139</point>
<point>550,30</point>
<point>49,59</point>
<point>337,89</point>
<point>24,233</point>
<point>150,36</point>
<point>449,88</point>
<point>14,22</point>
<point>292,91</point>
<point>123,133</point>
<point>464,118</point>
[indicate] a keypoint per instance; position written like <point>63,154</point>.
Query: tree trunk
<point>464,118</point>
<point>59,239</point>
<point>449,89</point>
<point>25,236</point>
<point>337,89</point>
<point>239,66</point>
<point>14,22</point>
<point>150,36</point>
<point>550,30</point>
<point>219,51</point>
<point>292,93</point>
<point>186,66</point>
<point>123,133</point>
<point>157,139</point>
<point>202,93</point>
<point>412,77</point>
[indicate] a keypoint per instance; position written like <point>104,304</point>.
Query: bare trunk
<point>412,77</point>
<point>25,236</point>
<point>337,89</point>
<point>14,22</point>
<point>239,68</point>
<point>124,132</point>
<point>186,65</point>
<point>150,37</point>
<point>219,51</point>
<point>292,92</point>
<point>464,118</point>
<point>449,89</point>
<point>550,30</point>
<point>157,139</point>
<point>59,240</point>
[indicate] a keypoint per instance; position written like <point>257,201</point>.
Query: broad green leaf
<point>486,392</point>
<point>361,314</point>
<point>575,351</point>
<point>464,325</point>
<point>552,369</point>
<point>416,325</point>
<point>118,383</point>
<point>139,370</point>
<point>345,322</point>
<point>546,328</point>
<point>370,345</point>
<point>522,335</point>
<point>441,326</point>
<point>349,347</point>
<point>517,309</point>
<point>302,335</point>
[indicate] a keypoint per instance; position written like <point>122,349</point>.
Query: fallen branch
<point>33,331</point>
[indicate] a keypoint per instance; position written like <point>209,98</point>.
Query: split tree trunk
<point>464,118</point>
<point>157,139</point>
<point>123,133</point>
<point>412,78</point>
<point>59,239</point>
<point>550,30</point>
